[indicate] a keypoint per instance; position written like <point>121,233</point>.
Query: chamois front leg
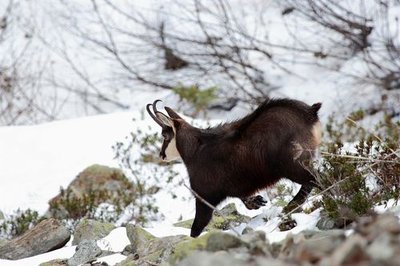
<point>203,216</point>
<point>254,202</point>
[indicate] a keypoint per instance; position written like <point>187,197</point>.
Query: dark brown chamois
<point>238,159</point>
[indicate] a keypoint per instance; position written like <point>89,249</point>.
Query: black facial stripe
<point>163,148</point>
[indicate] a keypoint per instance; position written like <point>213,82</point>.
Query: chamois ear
<point>165,119</point>
<point>172,113</point>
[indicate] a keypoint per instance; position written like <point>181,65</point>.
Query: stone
<point>326,223</point>
<point>317,245</point>
<point>351,252</point>
<point>257,243</point>
<point>138,237</point>
<point>231,217</point>
<point>88,229</point>
<point>86,251</point>
<point>3,242</point>
<point>56,262</point>
<point>148,248</point>
<point>381,249</point>
<point>203,258</point>
<point>223,241</point>
<point>107,185</point>
<point>46,236</point>
<point>188,246</point>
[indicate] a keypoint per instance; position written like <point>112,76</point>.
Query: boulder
<point>86,251</point>
<point>95,185</point>
<point>56,262</point>
<point>223,241</point>
<point>46,236</point>
<point>230,216</point>
<point>88,229</point>
<point>147,248</point>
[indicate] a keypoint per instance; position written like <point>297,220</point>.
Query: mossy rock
<point>187,246</point>
<point>88,229</point>
<point>94,185</point>
<point>230,216</point>
<point>138,237</point>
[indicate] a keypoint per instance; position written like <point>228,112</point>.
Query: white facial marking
<point>317,133</point>
<point>171,152</point>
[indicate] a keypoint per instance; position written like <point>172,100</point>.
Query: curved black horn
<point>155,106</point>
<point>155,118</point>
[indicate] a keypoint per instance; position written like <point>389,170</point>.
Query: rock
<point>149,248</point>
<point>56,262</point>
<point>351,252</point>
<point>88,229</point>
<point>138,237</point>
<point>257,243</point>
<point>381,249</point>
<point>325,223</point>
<point>223,241</point>
<point>317,245</point>
<point>86,251</point>
<point>202,258</point>
<point>3,242</point>
<point>247,230</point>
<point>97,183</point>
<point>230,217</point>
<point>46,236</point>
<point>188,246</point>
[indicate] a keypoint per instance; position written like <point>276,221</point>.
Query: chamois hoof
<point>254,202</point>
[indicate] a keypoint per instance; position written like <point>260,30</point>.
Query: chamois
<point>239,158</point>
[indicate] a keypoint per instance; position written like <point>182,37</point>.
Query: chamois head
<point>168,152</point>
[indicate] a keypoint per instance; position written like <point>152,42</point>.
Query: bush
<point>200,99</point>
<point>136,157</point>
<point>356,177</point>
<point>19,223</point>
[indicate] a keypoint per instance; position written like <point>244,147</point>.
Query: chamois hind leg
<point>254,202</point>
<point>202,217</point>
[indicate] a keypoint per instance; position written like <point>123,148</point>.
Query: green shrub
<point>138,158</point>
<point>355,179</point>
<point>198,98</point>
<point>19,223</point>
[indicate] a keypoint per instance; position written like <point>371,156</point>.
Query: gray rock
<point>149,248</point>
<point>86,251</point>
<point>3,242</point>
<point>257,243</point>
<point>91,230</point>
<point>381,249</point>
<point>223,241</point>
<point>230,217</point>
<point>109,184</point>
<point>221,258</point>
<point>56,262</point>
<point>325,223</point>
<point>138,237</point>
<point>46,236</point>
<point>315,245</point>
<point>351,252</point>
